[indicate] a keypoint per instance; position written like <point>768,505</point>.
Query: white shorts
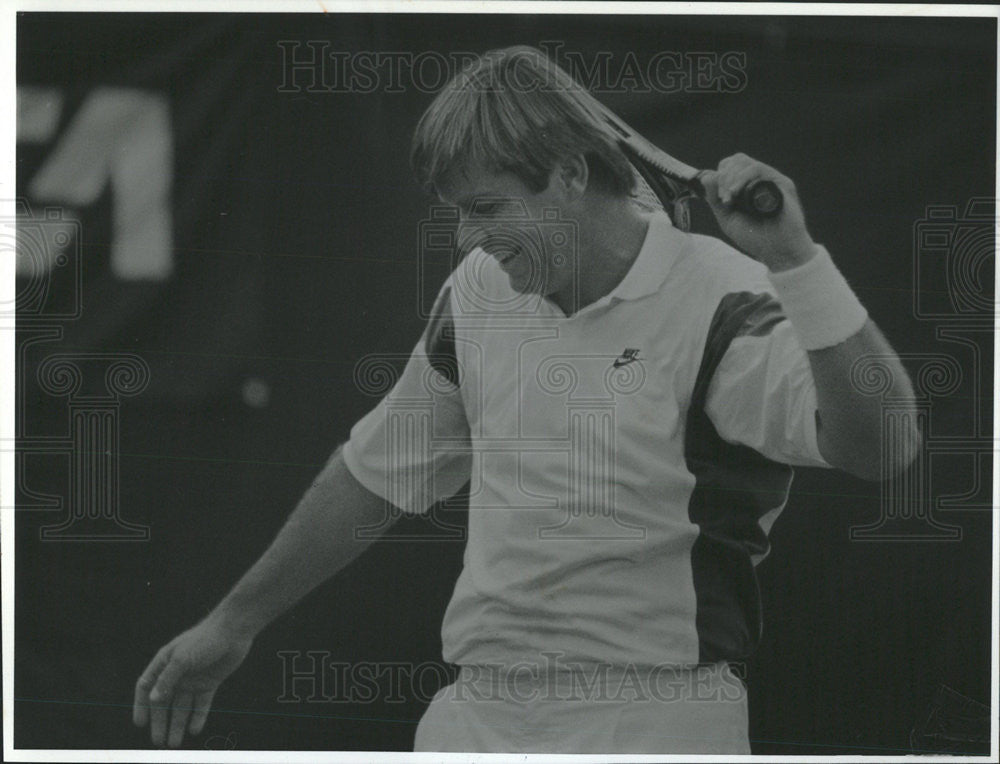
<point>675,710</point>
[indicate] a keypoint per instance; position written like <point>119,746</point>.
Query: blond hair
<point>514,110</point>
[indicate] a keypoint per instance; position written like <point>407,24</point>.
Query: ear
<point>571,175</point>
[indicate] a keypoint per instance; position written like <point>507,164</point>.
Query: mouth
<point>507,256</point>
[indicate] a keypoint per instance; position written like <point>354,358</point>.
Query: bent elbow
<point>908,451</point>
<point>900,453</point>
<point>883,460</point>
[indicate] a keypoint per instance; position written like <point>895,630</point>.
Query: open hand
<point>175,691</point>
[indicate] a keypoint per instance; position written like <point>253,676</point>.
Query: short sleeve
<point>412,449</point>
<point>762,392</point>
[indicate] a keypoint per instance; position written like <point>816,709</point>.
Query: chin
<point>524,285</point>
<point>527,280</point>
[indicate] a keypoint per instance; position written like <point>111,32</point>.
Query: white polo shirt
<point>626,462</point>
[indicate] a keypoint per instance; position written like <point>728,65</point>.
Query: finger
<point>734,161</point>
<point>145,683</point>
<point>140,703</point>
<point>179,715</point>
<point>710,182</point>
<point>202,705</point>
<point>159,713</point>
<point>161,697</point>
<point>163,690</point>
<point>734,182</point>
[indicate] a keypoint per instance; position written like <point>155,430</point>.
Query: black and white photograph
<point>438,381</point>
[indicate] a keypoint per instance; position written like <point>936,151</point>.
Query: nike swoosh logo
<point>619,362</point>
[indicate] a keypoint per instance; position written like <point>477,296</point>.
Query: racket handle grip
<point>760,199</point>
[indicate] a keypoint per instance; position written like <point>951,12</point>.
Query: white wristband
<point>819,303</point>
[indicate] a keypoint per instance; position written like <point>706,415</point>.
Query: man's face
<point>504,216</point>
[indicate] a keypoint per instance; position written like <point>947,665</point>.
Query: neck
<point>610,235</point>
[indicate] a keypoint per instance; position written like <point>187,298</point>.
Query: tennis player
<point>627,400</point>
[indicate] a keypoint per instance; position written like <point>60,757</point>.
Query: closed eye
<point>493,208</point>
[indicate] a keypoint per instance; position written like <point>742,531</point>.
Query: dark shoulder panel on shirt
<point>439,339</point>
<point>739,314</point>
<point>735,487</point>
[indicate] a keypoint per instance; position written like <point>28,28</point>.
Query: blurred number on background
<point>119,137</point>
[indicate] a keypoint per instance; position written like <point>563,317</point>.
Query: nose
<point>480,231</point>
<point>471,235</point>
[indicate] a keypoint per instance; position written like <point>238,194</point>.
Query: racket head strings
<point>654,191</point>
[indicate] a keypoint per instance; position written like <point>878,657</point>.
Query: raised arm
<point>175,692</point>
<point>831,324</point>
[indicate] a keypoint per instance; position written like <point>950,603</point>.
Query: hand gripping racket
<point>672,183</point>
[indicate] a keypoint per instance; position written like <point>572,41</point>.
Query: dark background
<point>295,235</point>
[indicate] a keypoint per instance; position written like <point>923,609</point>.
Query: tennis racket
<point>667,183</point>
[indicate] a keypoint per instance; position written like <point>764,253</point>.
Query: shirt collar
<point>659,250</point>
